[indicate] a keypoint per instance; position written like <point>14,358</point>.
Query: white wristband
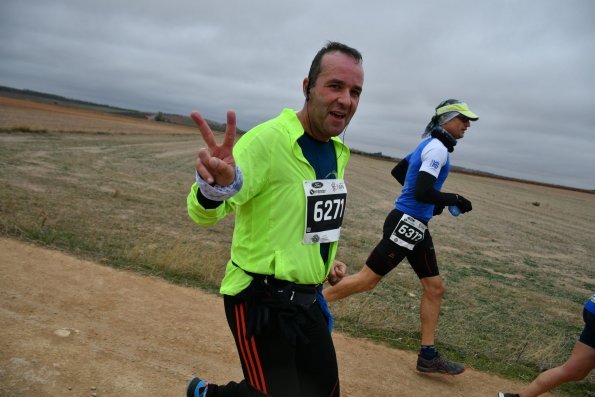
<point>218,192</point>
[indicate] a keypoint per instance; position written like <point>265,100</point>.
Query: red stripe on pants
<point>249,352</point>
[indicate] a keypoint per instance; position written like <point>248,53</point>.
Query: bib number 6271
<point>326,210</point>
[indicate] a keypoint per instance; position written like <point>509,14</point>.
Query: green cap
<point>460,107</point>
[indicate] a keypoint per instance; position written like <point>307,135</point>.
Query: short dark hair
<point>331,46</point>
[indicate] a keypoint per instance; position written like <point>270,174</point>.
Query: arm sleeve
<point>206,203</point>
<point>400,171</point>
<point>425,192</point>
<point>209,214</point>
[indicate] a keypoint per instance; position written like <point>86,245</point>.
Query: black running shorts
<point>387,254</point>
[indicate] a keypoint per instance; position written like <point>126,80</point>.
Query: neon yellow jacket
<point>270,207</point>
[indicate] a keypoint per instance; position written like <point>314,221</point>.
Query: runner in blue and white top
<point>431,157</point>
<point>406,235</point>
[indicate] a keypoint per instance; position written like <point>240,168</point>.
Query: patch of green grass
<point>111,256</point>
<point>525,372</point>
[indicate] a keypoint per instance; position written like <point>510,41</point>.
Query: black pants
<point>278,359</point>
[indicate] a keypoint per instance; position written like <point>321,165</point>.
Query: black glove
<point>438,209</point>
<point>463,204</point>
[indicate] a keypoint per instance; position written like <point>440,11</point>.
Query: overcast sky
<point>526,67</point>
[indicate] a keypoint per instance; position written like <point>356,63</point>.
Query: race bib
<point>409,232</point>
<point>325,206</point>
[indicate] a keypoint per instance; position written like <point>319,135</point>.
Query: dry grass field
<point>518,267</point>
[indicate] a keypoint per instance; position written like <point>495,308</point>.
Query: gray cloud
<point>524,67</point>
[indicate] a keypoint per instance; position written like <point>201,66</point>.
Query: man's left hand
<point>338,271</point>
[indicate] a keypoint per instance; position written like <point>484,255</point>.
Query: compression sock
<point>428,351</point>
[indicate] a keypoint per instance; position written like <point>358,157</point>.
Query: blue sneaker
<point>197,388</point>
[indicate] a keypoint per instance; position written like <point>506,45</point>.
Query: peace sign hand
<point>216,163</point>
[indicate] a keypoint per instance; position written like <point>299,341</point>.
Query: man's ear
<point>306,88</point>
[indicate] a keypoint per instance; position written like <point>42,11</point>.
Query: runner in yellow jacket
<point>284,181</point>
<point>271,207</point>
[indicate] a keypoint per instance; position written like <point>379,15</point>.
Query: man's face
<point>457,126</point>
<point>335,96</point>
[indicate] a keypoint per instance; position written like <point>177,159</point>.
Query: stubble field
<point>518,267</point>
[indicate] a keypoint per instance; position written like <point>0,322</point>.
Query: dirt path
<point>69,327</point>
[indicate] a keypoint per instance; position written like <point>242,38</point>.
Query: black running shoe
<point>440,365</point>
<point>197,388</point>
<point>500,394</point>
